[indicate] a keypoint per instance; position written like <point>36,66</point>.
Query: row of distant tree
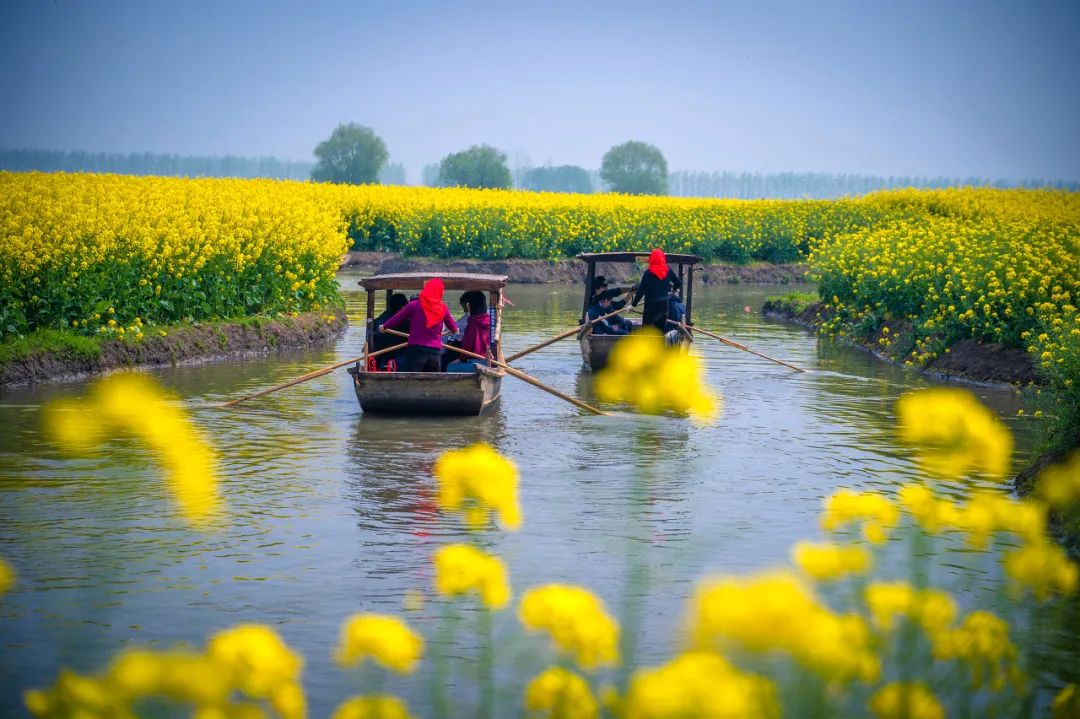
<point>355,154</point>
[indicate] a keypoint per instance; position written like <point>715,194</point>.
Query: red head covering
<point>431,301</point>
<point>658,263</point>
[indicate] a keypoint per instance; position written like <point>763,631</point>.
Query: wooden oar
<point>726,341</point>
<point>564,335</point>
<point>520,375</point>
<point>312,375</point>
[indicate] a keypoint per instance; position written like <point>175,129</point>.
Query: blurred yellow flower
<point>576,621</point>
<point>699,684</point>
<point>136,405</point>
<point>1066,704</point>
<point>462,568</point>
<point>259,660</point>
<point>827,562</point>
<point>876,513</point>
<point>1059,484</point>
<point>477,480</point>
<point>386,640</point>
<point>7,576</point>
<point>982,642</point>
<point>910,700</point>
<point>1044,567</point>
<point>954,434</point>
<point>933,609</point>
<point>558,693</point>
<point>655,378</point>
<point>377,706</point>
<point>778,612</point>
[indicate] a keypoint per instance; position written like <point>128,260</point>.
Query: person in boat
<point>477,335</point>
<point>601,293</point>
<point>657,285</point>
<point>601,306</point>
<point>380,341</point>
<point>424,317</point>
<point>676,309</point>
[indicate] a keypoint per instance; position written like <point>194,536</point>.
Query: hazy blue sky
<point>972,88</point>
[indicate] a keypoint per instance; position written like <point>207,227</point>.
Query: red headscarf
<point>658,263</point>
<point>431,301</point>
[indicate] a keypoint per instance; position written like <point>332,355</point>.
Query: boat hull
<point>595,349</point>
<point>446,393</point>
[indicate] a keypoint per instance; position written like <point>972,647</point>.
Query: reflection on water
<point>332,512</point>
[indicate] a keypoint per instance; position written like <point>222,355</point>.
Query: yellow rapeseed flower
<point>134,404</point>
<point>827,562</point>
<point>876,513</point>
<point>699,684</point>
<point>376,706</point>
<point>982,642</point>
<point>1066,704</point>
<point>259,660</point>
<point>477,480</point>
<point>576,621</point>
<point>655,378</point>
<point>7,576</point>
<point>954,434</point>
<point>558,693</point>
<point>463,569</point>
<point>933,609</point>
<point>386,640</point>
<point>1059,484</point>
<point>1044,567</point>
<point>776,612</point>
<point>906,700</point>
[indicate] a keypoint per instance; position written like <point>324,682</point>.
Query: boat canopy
<point>451,281</point>
<point>635,256</point>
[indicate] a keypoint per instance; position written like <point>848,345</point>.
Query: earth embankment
<point>178,345</point>
<point>571,271</point>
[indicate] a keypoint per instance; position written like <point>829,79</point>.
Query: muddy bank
<point>571,271</point>
<point>180,345</point>
<point>967,360</point>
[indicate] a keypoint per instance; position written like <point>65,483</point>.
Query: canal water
<point>331,512</point>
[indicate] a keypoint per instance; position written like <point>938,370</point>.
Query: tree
<point>565,178</point>
<point>354,154</point>
<point>635,168</point>
<point>480,166</point>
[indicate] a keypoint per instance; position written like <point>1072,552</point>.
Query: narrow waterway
<point>331,512</point>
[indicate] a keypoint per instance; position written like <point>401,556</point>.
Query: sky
<point>958,88</point>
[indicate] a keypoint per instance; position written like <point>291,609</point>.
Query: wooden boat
<point>431,392</point>
<point>596,348</point>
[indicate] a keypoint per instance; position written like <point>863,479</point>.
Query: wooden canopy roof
<point>451,280</point>
<point>635,256</point>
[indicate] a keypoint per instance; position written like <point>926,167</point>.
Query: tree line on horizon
<point>354,154</point>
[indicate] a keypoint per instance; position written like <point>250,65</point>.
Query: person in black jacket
<point>657,285</point>
<point>380,340</point>
<point>605,299</point>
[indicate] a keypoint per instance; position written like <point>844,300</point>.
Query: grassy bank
<point>45,355</point>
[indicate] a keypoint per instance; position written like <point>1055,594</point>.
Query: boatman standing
<point>657,285</point>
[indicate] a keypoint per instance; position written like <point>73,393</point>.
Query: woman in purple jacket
<point>425,317</point>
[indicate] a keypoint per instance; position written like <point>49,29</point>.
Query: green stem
<point>487,663</point>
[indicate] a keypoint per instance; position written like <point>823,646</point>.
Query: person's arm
<point>448,320</point>
<point>675,283</point>
<point>398,319</point>
<point>640,289</point>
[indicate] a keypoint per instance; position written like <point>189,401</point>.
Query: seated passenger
<point>676,309</point>
<point>477,335</point>
<point>601,293</point>
<point>380,341</point>
<point>425,317</point>
<point>601,306</point>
